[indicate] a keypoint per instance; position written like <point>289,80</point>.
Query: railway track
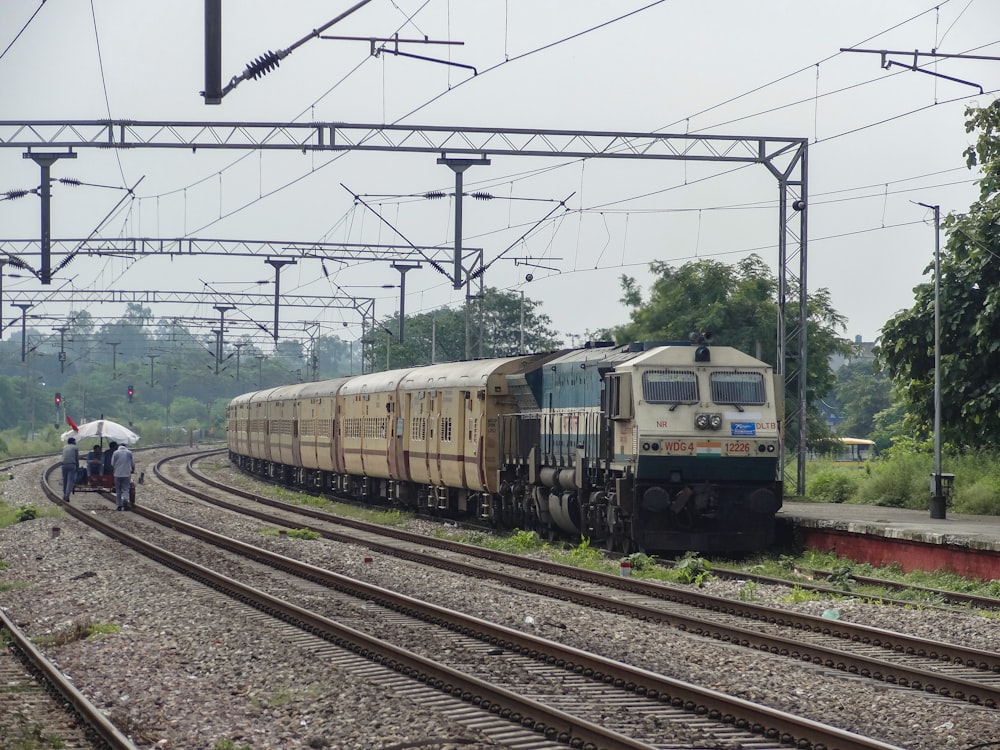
<point>950,670</point>
<point>40,707</point>
<point>585,686</point>
<point>814,579</point>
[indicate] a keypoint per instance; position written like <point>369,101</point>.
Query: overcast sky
<point>880,141</point>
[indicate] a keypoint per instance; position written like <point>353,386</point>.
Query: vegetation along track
<point>588,683</point>
<point>821,581</point>
<point>931,666</point>
<point>39,707</point>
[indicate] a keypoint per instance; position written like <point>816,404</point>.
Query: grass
<point>21,732</point>
<point>842,573</point>
<point>292,533</point>
<point>901,479</point>
<point>9,515</point>
<point>81,629</point>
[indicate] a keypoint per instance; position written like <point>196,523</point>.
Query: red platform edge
<point>909,554</point>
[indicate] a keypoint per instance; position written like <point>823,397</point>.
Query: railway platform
<point>965,544</point>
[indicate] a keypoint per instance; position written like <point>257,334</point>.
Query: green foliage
<point>738,305</point>
<point>303,534</point>
<point>841,577</point>
<point>901,481</point>
<point>227,744</point>
<point>26,513</point>
<point>748,591</point>
<point>969,313</point>
<point>981,497</point>
<point>860,393</point>
<point>524,541</point>
<point>832,486</point>
<point>583,556</point>
<point>9,514</point>
<point>20,732</point>
<point>640,562</point>
<point>798,595</point>
<point>81,629</point>
<point>692,569</point>
<point>496,319</point>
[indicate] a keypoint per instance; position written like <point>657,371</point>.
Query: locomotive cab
<point>698,448</point>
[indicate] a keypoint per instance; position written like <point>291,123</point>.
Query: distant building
<point>862,350</point>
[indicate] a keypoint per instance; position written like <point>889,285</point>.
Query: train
<point>644,447</point>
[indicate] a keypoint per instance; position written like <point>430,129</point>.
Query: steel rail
<point>988,661</point>
<point>101,730</point>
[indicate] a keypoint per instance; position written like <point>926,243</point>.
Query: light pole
<point>151,358</point>
<point>938,500</point>
<point>223,309</point>
<point>520,347</point>
<point>388,344</point>
<point>238,345</point>
<point>114,358</point>
<point>25,306</point>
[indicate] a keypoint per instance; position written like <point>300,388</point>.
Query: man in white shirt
<point>122,465</point>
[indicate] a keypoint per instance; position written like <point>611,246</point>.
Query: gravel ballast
<point>185,668</point>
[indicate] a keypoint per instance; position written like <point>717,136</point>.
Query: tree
<point>737,304</point>
<point>444,332</point>
<point>861,392</point>
<point>969,312</point>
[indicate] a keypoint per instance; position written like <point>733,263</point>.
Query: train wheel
<point>507,511</point>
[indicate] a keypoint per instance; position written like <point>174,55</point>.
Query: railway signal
<point>58,399</point>
<point>130,394</point>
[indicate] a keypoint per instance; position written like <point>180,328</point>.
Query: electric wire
<point>23,28</point>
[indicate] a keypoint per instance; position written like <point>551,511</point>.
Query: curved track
<point>26,673</point>
<point>930,666</point>
<point>654,692</point>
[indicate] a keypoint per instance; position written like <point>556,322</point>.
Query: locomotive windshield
<point>738,388</point>
<point>669,387</point>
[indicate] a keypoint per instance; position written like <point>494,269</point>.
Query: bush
<point>833,486</point>
<point>901,482</point>
<point>981,498</point>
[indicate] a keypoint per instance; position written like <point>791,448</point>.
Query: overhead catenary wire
<point>582,209</point>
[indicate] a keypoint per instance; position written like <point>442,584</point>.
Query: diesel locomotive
<point>642,447</point>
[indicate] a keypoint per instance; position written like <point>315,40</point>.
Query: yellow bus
<point>843,450</point>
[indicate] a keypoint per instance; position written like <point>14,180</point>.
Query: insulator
<point>69,181</point>
<point>12,195</point>
<point>263,65</point>
<point>483,196</point>
<point>434,195</point>
<point>65,262</point>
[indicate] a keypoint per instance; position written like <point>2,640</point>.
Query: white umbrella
<point>102,428</point>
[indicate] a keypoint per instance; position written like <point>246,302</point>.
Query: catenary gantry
<point>785,158</point>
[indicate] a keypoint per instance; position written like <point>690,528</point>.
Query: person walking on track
<point>70,463</point>
<point>123,465</point>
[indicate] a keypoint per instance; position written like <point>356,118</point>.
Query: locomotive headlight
<point>715,421</point>
<point>701,421</point>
